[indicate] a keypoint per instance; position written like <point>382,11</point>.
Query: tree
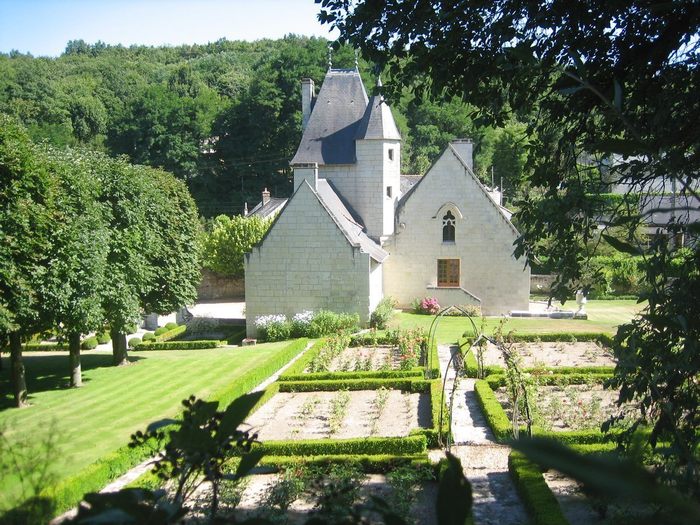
<point>26,221</point>
<point>229,239</point>
<point>601,79</point>
<point>74,280</point>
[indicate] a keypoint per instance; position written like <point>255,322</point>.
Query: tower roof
<point>378,122</point>
<point>329,136</point>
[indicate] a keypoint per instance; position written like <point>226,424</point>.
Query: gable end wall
<point>305,263</point>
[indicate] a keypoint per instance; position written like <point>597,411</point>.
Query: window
<point>448,272</point>
<point>388,191</point>
<point>391,153</point>
<point>448,227</point>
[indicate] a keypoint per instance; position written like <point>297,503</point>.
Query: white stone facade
<point>305,263</point>
<point>489,274</point>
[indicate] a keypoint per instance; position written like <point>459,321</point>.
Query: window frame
<point>450,275</point>
<point>449,225</point>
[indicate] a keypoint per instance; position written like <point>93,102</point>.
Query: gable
<point>450,181</point>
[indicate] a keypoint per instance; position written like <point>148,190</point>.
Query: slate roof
<point>329,136</point>
<point>272,206</point>
<point>348,221</point>
<point>406,182</point>
<point>378,122</point>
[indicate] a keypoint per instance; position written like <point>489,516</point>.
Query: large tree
<point>26,220</point>
<point>611,87</point>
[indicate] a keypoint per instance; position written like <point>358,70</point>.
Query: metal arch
<point>431,340</point>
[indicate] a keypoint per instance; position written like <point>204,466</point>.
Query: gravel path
<point>485,462</point>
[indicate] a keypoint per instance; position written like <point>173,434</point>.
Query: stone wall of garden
<point>217,287</point>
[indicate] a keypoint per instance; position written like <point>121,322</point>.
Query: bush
<point>274,327</point>
<point>472,310</point>
<point>325,322</point>
<point>89,343</point>
<point>179,345</point>
<point>160,330</point>
<point>427,305</point>
<point>171,325</point>
<point>409,384</point>
<point>382,313</point>
<point>368,446</point>
<point>131,328</point>
<point>134,342</point>
<point>229,239</point>
<point>301,323</point>
<point>171,334</point>
<point>148,336</point>
<point>103,337</point>
<point>538,499</point>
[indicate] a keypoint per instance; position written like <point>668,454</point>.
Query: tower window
<point>391,153</point>
<point>388,191</point>
<point>448,227</point>
<point>448,272</point>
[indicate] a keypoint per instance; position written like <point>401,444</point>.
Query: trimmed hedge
<point>542,507</point>
<point>365,446</point>
<point>365,374</point>
<point>103,337</point>
<point>41,347</point>
<point>406,385</point>
<point>503,429</point>
<point>168,335</point>
<point>433,434</point>
<point>369,464</point>
<point>499,380</point>
<point>300,364</point>
<point>69,492</point>
<point>180,345</point>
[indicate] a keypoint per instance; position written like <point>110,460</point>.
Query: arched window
<point>448,227</point>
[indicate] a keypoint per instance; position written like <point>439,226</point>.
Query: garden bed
<point>341,415</point>
<point>563,408</point>
<point>363,359</point>
<point>554,354</point>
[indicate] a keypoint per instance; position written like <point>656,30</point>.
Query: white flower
<point>265,320</point>
<point>304,317</point>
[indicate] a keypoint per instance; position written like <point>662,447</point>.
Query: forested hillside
<point>225,116</point>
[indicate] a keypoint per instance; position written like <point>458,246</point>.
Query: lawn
<point>114,402</point>
<point>603,316</point>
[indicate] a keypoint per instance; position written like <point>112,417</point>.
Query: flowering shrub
<point>410,346</point>
<point>427,305</point>
<point>273,327</point>
<point>301,323</point>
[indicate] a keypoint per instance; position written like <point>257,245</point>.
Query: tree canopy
<point>608,91</point>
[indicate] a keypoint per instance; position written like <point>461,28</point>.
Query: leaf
<point>237,412</point>
<point>157,425</point>
<point>454,499</point>
<point>610,476</point>
<point>248,462</point>
<point>617,100</point>
<point>624,147</point>
<point>621,246</point>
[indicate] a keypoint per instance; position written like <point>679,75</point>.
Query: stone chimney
<point>306,172</point>
<point>308,96</point>
<point>465,149</point>
<point>265,196</point>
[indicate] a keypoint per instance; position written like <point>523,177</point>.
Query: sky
<point>43,27</point>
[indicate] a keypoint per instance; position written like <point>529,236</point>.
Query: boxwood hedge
<point>542,507</point>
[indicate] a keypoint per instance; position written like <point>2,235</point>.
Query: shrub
<point>539,501</point>
<point>325,322</point>
<point>134,342</point>
<point>148,336</point>
<point>274,327</point>
<point>301,323</point>
<point>103,337</point>
<point>382,313</point>
<point>131,328</point>
<point>160,330</point>
<point>229,239</point>
<point>89,343</point>
<point>171,334</point>
<point>427,305</point>
<point>171,325</point>
<point>179,345</point>
<point>472,310</point>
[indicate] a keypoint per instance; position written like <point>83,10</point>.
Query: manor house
<point>355,230</point>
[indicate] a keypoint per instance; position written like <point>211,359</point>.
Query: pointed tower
<point>378,150</point>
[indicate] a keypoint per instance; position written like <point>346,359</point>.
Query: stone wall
<point>305,263</point>
<point>483,243</point>
<point>216,287</point>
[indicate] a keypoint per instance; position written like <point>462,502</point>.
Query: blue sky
<point>43,27</point>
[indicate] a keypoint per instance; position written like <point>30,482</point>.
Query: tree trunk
<point>119,355</point>
<point>19,382</point>
<point>76,378</point>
